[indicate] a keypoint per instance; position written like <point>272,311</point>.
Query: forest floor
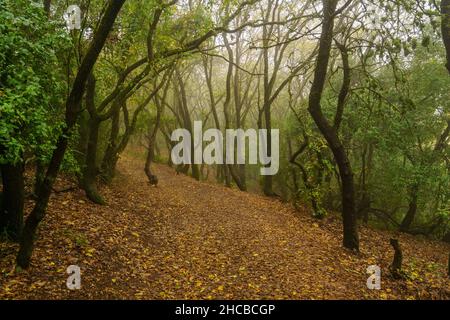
<point>196,240</point>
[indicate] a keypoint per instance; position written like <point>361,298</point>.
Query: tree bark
<point>396,266</point>
<point>268,85</point>
<point>183,106</point>
<point>90,171</point>
<point>230,170</point>
<point>152,141</point>
<point>47,7</point>
<point>40,175</point>
<point>73,105</point>
<point>412,209</point>
<point>110,158</point>
<point>11,212</point>
<point>351,237</point>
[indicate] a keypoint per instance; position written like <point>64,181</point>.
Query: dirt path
<point>191,240</point>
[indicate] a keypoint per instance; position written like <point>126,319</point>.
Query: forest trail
<point>195,240</point>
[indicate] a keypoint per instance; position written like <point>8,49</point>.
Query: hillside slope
<point>190,240</point>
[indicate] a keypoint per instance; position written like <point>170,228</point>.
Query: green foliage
<point>401,115</point>
<point>182,27</point>
<point>31,89</point>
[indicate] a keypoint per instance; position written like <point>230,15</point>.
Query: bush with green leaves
<point>32,87</point>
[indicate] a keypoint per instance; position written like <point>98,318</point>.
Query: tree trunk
<point>183,169</point>
<point>110,158</point>
<point>47,7</point>
<point>195,172</point>
<point>152,179</point>
<point>180,91</point>
<point>227,176</point>
<point>91,171</point>
<point>267,180</point>
<point>152,132</point>
<point>242,176</point>
<point>412,210</point>
<point>236,177</point>
<point>11,214</point>
<point>39,176</point>
<point>396,266</point>
<point>73,105</point>
<point>351,238</point>
<point>221,173</point>
<point>148,162</point>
